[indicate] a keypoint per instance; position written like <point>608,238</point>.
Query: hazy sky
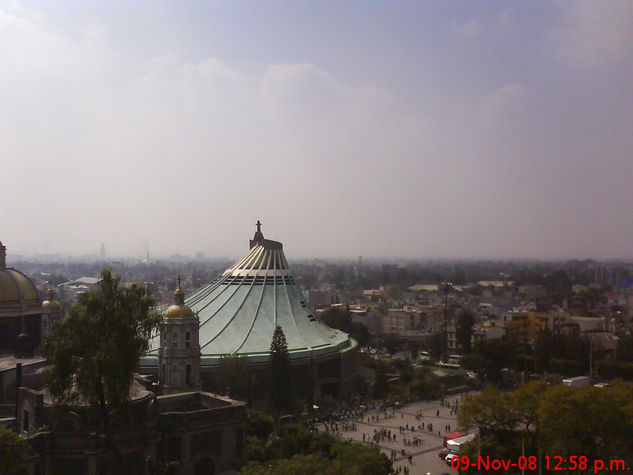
<point>382,129</point>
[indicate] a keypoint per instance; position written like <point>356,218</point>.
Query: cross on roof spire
<point>259,226</point>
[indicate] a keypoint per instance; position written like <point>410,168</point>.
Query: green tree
<point>13,450</point>
<point>281,396</point>
<point>359,332</point>
<point>489,357</point>
<point>464,330</point>
<point>624,352</point>
<point>391,342</point>
<point>294,449</point>
<point>233,376</point>
<point>260,424</point>
<point>558,421</point>
<point>381,384</point>
<point>94,352</point>
<point>558,284</point>
<point>336,317</point>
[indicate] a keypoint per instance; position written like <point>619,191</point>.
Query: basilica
<point>236,315</point>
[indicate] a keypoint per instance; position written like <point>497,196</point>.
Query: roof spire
<point>50,293</point>
<point>179,295</point>
<point>259,237</point>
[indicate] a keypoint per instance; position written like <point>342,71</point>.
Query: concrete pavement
<point>404,424</point>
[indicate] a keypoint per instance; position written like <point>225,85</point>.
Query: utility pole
<point>590,358</point>
<point>445,286</point>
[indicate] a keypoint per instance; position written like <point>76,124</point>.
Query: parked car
<point>449,458</point>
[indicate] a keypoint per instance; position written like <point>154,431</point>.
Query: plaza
<point>404,431</point>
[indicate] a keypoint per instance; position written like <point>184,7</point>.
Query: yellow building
<point>525,326</point>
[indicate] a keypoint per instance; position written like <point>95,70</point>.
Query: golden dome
<point>52,304</point>
<point>179,311</point>
<point>16,290</point>
<point>50,301</point>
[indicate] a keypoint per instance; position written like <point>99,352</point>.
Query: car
<point>448,459</point>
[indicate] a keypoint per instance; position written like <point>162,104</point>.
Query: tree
<point>558,284</point>
<point>557,421</point>
<point>338,318</point>
<point>280,372</point>
<point>489,357</point>
<point>294,449</point>
<point>464,330</point>
<point>233,376</point>
<point>94,352</point>
<point>381,384</point>
<point>391,342</point>
<point>624,352</point>
<point>13,449</point>
<point>359,332</point>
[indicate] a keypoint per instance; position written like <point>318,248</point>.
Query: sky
<point>408,129</point>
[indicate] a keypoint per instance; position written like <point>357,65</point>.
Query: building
<point>523,327</point>
<point>239,311</point>
<point>52,312</point>
<point>20,311</point>
<point>398,321</point>
<point>204,433</point>
<point>172,422</point>
<point>179,351</point>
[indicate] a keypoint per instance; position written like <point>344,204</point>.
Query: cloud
<point>467,29</point>
<point>302,89</point>
<point>507,99</point>
<point>592,32</point>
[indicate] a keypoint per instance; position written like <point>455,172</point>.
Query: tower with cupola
<point>179,351</point>
<point>51,312</point>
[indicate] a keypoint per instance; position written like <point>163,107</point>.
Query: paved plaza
<point>408,423</point>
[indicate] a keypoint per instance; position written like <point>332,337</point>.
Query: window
<point>187,340</point>
<point>189,376</point>
<point>175,380</point>
<point>174,342</point>
<point>25,421</point>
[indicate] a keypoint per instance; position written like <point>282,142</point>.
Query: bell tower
<point>179,352</point>
<point>51,312</point>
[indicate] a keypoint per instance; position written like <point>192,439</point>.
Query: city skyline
<point>408,130</point>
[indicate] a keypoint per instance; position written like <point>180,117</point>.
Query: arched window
<point>187,340</point>
<point>25,421</point>
<point>189,376</point>
<point>174,342</point>
<point>175,380</point>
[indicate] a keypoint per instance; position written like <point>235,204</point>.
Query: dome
<point>50,302</point>
<point>17,291</point>
<point>241,308</point>
<point>178,311</point>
